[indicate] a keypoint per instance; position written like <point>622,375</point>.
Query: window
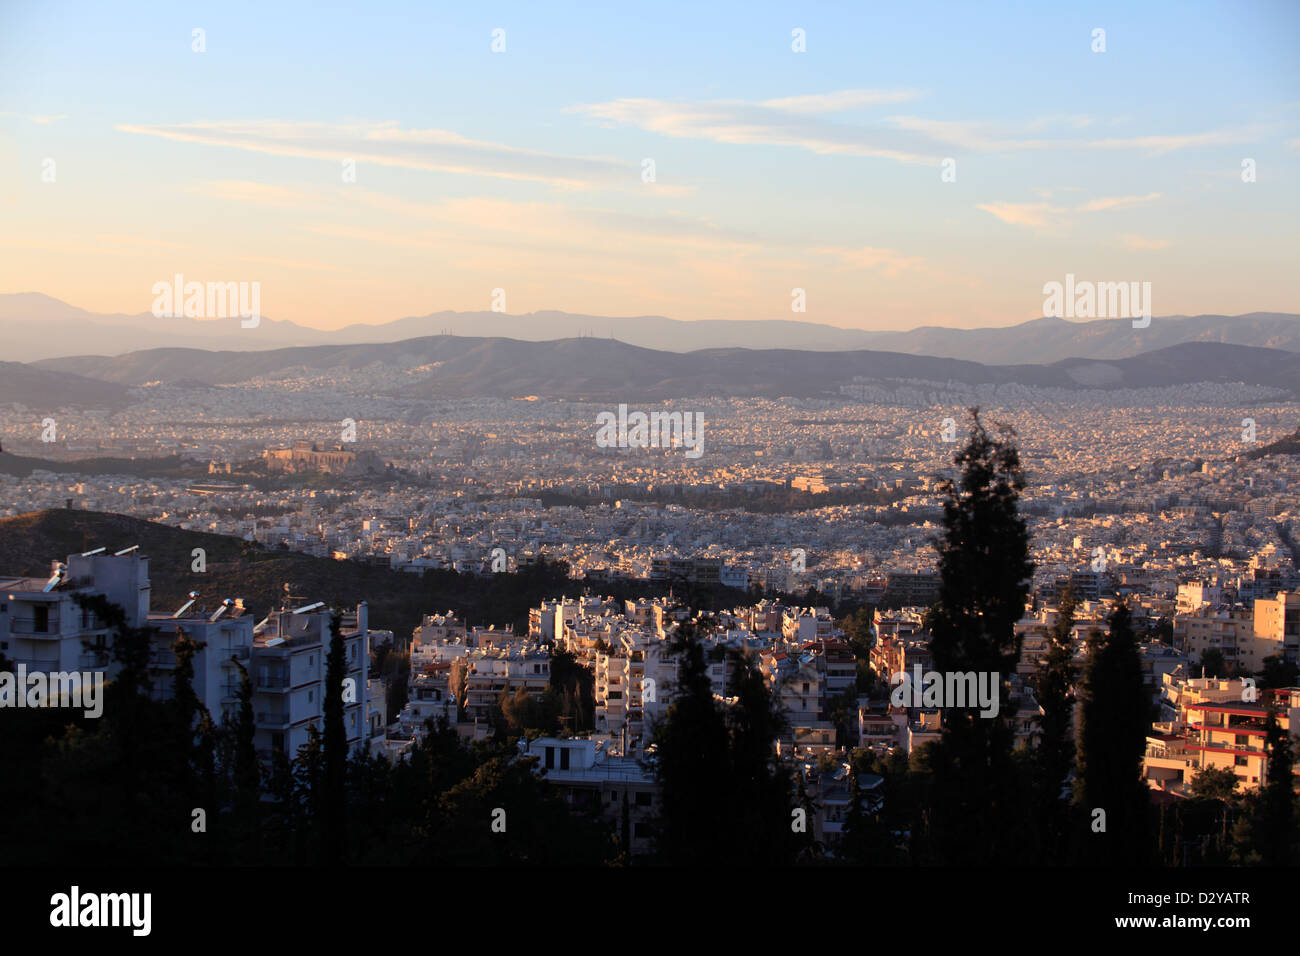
<point>564,758</point>
<point>1239,761</point>
<point>643,798</point>
<point>311,696</point>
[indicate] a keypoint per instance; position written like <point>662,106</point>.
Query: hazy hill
<point>36,326</point>
<point>1286,445</point>
<point>603,369</point>
<point>44,390</point>
<point>172,466</point>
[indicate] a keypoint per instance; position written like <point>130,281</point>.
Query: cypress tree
<point>1113,723</point>
<point>761,785</point>
<point>693,764</point>
<point>332,801</point>
<point>1054,755</point>
<point>985,574</point>
<point>1276,806</point>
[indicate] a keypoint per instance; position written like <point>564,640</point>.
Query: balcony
<point>32,665</point>
<point>271,682</point>
<point>162,659</point>
<point>36,626</point>
<point>94,660</point>
<point>273,720</point>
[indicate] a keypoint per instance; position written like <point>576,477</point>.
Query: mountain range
<point>35,326</point>
<point>608,370</point>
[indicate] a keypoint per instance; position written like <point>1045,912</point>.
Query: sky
<point>936,164</point>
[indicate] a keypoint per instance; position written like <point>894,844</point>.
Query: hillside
<point>235,568</point>
<point>36,327</point>
<point>172,466</point>
<point>47,390</point>
<point>1286,445</point>
<point>607,370</point>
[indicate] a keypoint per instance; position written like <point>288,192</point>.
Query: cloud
<point>261,194</point>
<point>41,119</point>
<point>792,122</point>
<point>1117,202</point>
<point>387,144</point>
<point>798,121</point>
<point>886,261</point>
<point>1138,242</point>
<point>840,100</point>
<point>1047,217</point>
<point>1038,215</point>
<point>1159,145</point>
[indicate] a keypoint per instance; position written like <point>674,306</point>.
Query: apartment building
<point>491,672</point>
<point>1214,723</point>
<point>1245,637</point>
<point>290,647</point>
<point>1226,629</point>
<point>634,686</point>
<point>43,627</point>
<point>1277,626</point>
<point>226,639</point>
<point>593,775</point>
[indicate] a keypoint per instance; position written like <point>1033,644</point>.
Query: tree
<point>1054,755</point>
<point>335,742</point>
<point>248,786</point>
<point>1215,783</point>
<point>693,764</point>
<point>1213,663</point>
<point>1279,672</point>
<point>1276,824</point>
<point>760,813</point>
<point>985,573</point>
<point>187,709</point>
<point>1113,723</point>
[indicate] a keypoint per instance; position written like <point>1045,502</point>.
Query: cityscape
<point>752,447</point>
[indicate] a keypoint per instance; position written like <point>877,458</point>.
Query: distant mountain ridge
<point>35,327</point>
<point>603,369</point>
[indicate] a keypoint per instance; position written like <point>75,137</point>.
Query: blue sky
<point>774,170</point>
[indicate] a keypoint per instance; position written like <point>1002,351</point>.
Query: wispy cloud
<point>839,101</point>
<point>886,261</point>
<point>1047,216</point>
<point>798,121</point>
<point>1038,215</point>
<point>1140,242</point>
<point>792,121</point>
<point>41,119</point>
<point>388,144</point>
<point>1117,202</point>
